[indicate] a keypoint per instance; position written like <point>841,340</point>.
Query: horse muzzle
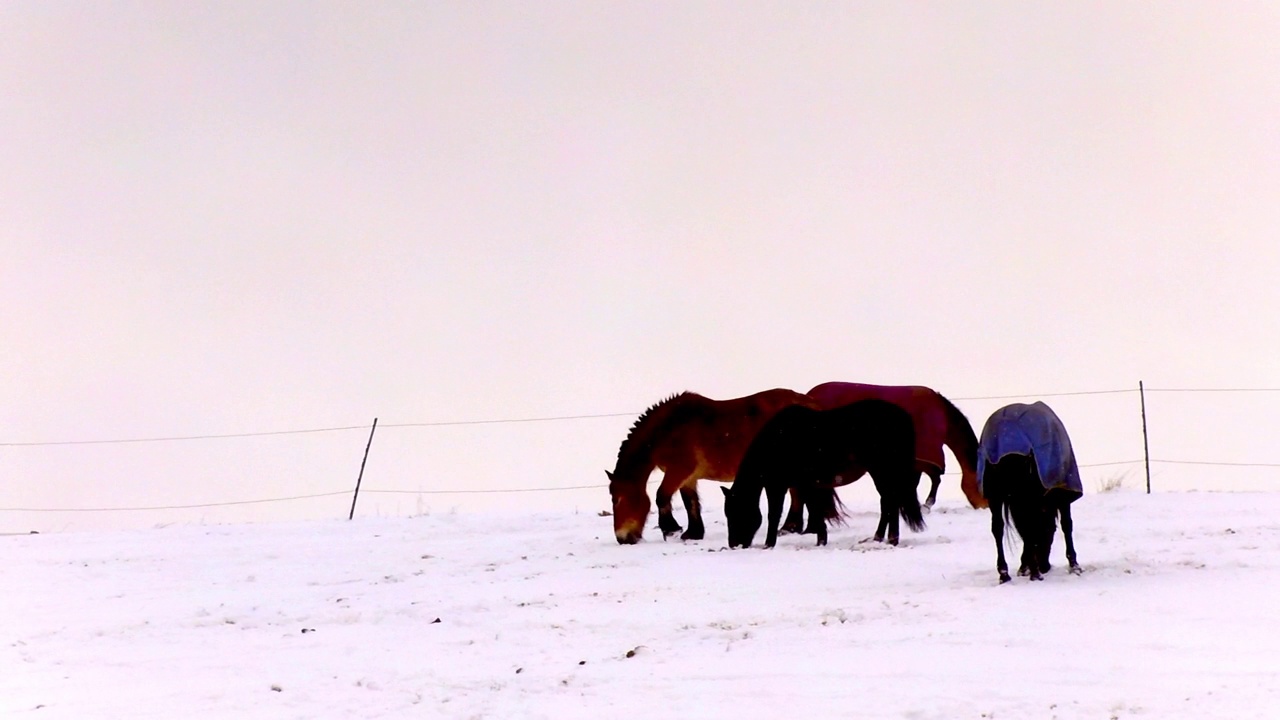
<point>628,534</point>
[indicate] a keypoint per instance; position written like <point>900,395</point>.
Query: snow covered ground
<point>544,616</point>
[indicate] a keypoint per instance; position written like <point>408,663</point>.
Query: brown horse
<point>688,437</point>
<point>937,422</point>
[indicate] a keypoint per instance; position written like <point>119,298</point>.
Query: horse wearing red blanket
<point>937,422</point>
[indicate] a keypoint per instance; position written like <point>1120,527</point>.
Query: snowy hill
<point>544,616</point>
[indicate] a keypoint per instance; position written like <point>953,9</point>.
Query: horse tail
<point>909,503</point>
<point>1008,518</point>
<point>964,445</point>
<point>907,475</point>
<point>835,511</point>
<point>1013,534</point>
<point>1002,483</point>
<point>825,503</point>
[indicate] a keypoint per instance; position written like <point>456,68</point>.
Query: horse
<point>812,451</point>
<point>1027,472</point>
<point>938,422</point>
<point>689,437</point>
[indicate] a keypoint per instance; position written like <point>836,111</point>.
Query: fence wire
<point>559,418</point>
<point>542,419</point>
<point>180,507</point>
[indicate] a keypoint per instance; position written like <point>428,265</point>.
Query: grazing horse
<point>808,451</point>
<point>688,437</point>
<point>1027,471</point>
<point>937,422</point>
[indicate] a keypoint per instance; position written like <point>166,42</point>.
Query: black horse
<point>815,450</point>
<point>1027,471</point>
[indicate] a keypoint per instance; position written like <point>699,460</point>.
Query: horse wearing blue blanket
<point>1027,472</point>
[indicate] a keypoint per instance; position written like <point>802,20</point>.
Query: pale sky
<point>243,216</point>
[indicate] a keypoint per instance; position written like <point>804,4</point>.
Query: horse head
<point>630,509</point>
<point>742,516</point>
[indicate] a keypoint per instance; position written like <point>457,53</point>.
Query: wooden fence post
<point>360,477</point>
<point>1146,454</point>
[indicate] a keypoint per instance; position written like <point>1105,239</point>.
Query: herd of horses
<point>781,443</point>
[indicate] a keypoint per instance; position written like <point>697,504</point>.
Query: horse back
<point>708,438</point>
<point>1035,435</point>
<point>882,432</point>
<point>927,408</point>
<point>811,445</point>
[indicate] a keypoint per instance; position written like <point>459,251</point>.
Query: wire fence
<point>1145,460</point>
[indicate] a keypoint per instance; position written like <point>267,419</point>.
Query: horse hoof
<point>1004,578</point>
<point>1076,570</point>
<point>893,541</point>
<point>691,535</point>
<point>1035,576</point>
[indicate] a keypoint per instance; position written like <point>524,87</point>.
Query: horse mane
<point>650,423</point>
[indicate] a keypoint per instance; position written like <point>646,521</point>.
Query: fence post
<point>355,496</point>
<point>1146,454</point>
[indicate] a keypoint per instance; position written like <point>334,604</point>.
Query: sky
<point>237,217</point>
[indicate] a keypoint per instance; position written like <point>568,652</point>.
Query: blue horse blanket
<point>1033,430</point>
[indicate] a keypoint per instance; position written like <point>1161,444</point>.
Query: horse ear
<point>608,475</point>
<point>724,490</point>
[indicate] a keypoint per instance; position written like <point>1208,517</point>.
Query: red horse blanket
<point>921,402</point>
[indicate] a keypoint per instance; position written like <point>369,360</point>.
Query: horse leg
<point>817,518</point>
<point>886,510</point>
<point>888,506</point>
<point>1020,509</point>
<point>672,480</point>
<point>795,516</point>
<point>1065,510</point>
<point>817,514</point>
<point>935,477</point>
<point>775,496</point>
<point>693,508</point>
<point>1033,553</point>
<point>997,531</point>
<point>887,529</point>
<point>1050,528</point>
<point>1034,549</point>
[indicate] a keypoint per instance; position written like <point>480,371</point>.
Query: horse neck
<point>964,446</point>
<point>635,456</point>
<point>634,465</point>
<point>748,485</point>
<point>960,438</point>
